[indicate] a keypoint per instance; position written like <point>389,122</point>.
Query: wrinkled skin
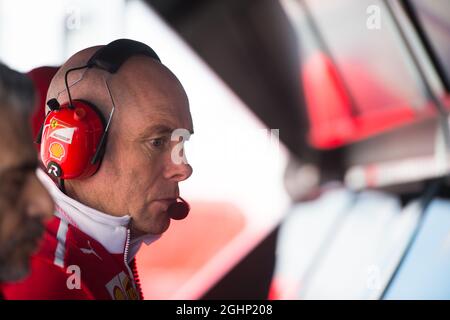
<point>137,176</point>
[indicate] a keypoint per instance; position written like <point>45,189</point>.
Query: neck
<point>107,229</point>
<point>134,232</point>
<point>73,190</point>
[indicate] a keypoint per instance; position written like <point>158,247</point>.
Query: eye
<point>12,184</point>
<point>158,142</point>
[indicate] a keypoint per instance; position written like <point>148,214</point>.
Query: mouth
<point>166,202</point>
<point>32,240</point>
<point>30,245</point>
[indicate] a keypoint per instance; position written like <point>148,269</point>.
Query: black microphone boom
<point>179,210</point>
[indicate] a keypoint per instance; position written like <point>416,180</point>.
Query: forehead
<point>16,148</point>
<point>155,105</point>
<point>158,117</point>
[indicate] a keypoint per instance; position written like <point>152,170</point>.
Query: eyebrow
<point>160,129</point>
<point>21,167</point>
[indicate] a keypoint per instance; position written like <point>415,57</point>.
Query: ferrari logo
<point>53,123</point>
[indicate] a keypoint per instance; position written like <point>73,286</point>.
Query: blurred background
<point>321,146</point>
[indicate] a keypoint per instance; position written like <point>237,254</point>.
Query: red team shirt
<point>84,254</point>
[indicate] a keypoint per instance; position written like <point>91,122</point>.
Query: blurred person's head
<point>137,176</point>
<point>41,78</point>
<point>24,202</point>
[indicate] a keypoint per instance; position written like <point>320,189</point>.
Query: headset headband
<point>109,58</point>
<point>113,55</point>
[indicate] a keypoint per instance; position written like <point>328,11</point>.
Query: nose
<point>39,202</point>
<point>178,172</point>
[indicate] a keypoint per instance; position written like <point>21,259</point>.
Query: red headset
<point>73,136</point>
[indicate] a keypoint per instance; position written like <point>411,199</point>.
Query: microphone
<point>179,210</point>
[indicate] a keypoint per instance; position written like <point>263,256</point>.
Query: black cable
<point>424,201</point>
<point>411,11</point>
<point>62,186</point>
<point>322,44</point>
<point>67,84</point>
<point>440,108</point>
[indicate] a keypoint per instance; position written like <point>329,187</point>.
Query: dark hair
<point>16,90</point>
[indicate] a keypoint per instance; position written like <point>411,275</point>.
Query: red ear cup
<point>69,140</point>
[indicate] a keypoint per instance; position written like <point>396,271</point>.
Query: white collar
<point>110,231</point>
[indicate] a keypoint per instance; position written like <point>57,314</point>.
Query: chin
<point>154,227</point>
<point>13,272</point>
<point>15,262</point>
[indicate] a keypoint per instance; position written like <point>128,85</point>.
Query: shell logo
<point>118,294</point>
<point>56,151</point>
<point>121,288</point>
<point>130,291</point>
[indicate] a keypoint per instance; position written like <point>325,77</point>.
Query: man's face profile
<point>24,203</point>
<point>137,175</point>
<point>143,152</point>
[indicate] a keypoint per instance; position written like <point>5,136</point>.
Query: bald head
<point>16,101</point>
<point>137,170</point>
<point>140,76</point>
<point>90,88</point>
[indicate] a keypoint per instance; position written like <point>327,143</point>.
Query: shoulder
<point>46,281</point>
<point>49,278</point>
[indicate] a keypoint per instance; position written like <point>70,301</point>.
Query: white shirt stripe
<point>61,247</point>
